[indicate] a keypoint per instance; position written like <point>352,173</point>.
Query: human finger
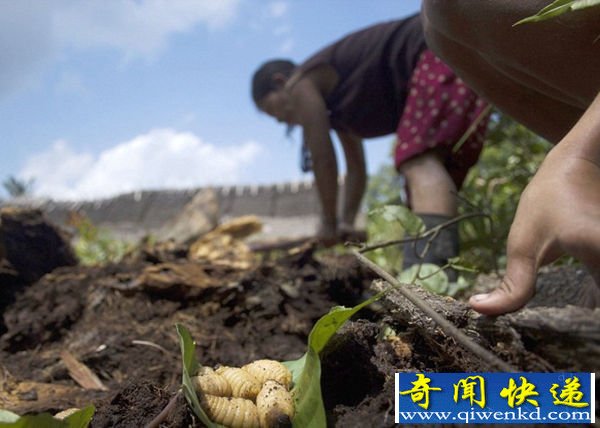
<point>515,290</point>
<point>523,254</point>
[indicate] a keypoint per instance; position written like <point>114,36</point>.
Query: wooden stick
<point>160,418</point>
<point>442,322</point>
<point>279,244</point>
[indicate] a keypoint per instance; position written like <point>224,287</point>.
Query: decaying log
<point>449,328</point>
<point>569,337</point>
<point>10,283</point>
<point>31,244</point>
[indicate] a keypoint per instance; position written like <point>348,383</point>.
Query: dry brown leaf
<point>240,227</point>
<point>223,250</point>
<point>81,373</point>
<point>165,276</point>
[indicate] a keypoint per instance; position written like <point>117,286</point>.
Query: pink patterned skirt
<point>439,110</point>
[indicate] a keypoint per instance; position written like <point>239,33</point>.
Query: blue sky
<point>101,97</point>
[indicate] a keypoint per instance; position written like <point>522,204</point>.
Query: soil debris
<point>118,321</point>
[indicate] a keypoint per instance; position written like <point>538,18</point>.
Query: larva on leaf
<point>209,382</point>
<point>243,384</point>
<point>232,412</point>
<point>275,406</point>
<point>265,370</point>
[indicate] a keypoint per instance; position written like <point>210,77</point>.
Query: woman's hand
<point>348,233</point>
<point>559,213</point>
<point>327,234</point>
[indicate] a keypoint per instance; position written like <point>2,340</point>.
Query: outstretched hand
<point>327,234</point>
<point>559,213</point>
<point>348,233</point>
<point>330,235</point>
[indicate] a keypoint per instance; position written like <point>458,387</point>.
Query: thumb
<point>515,290</point>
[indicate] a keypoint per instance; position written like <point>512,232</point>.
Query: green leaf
<point>43,420</point>
<point>306,371</point>
<point>558,7</point>
<point>391,222</point>
<point>471,129</point>
<point>190,364</point>
<point>555,5</point>
<point>401,214</point>
<point>190,368</point>
<point>430,277</point>
<point>308,400</point>
<point>582,4</point>
<point>6,416</point>
<point>79,419</point>
<point>455,263</point>
<point>329,323</point>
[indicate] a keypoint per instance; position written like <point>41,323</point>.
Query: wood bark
<point>540,338</point>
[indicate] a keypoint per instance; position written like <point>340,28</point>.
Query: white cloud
<point>33,33</point>
<point>139,28</point>
<point>286,46</point>
<point>277,9</point>
<point>159,159</point>
<point>57,169</point>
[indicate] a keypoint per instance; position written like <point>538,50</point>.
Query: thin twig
<point>466,201</point>
<point>280,244</point>
<point>442,322</point>
<point>471,128</point>
<point>428,243</point>
<point>427,233</point>
<point>435,272</point>
<point>155,423</point>
<point>152,345</point>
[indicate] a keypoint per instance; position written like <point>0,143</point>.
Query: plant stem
<point>427,233</point>
<point>155,423</point>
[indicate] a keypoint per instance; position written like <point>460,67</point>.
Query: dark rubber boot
<point>443,247</point>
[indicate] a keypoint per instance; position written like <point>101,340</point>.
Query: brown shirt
<point>374,66</point>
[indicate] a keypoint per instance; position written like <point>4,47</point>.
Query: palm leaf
<point>558,7</point>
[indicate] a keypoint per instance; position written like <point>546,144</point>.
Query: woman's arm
<point>356,178</point>
<point>312,115</point>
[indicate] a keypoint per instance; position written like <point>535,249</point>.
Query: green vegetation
<point>558,7</point>
<point>16,187</point>
<point>509,159</point>
<point>387,222</point>
<point>95,246</point>
<point>79,419</point>
<point>395,222</point>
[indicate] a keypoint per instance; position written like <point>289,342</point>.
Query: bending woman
<point>377,81</point>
